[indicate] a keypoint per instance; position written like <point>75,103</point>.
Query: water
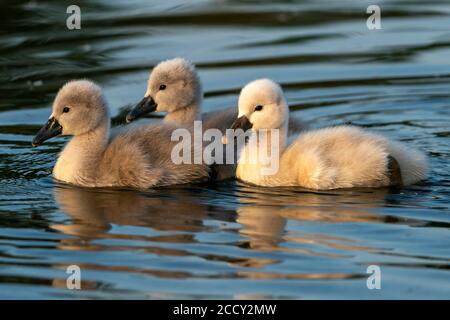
<point>228,240</point>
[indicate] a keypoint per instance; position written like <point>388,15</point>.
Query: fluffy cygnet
<point>137,156</point>
<point>335,157</point>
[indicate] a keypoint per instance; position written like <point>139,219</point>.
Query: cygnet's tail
<point>413,163</point>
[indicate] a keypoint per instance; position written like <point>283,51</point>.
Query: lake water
<point>228,240</point>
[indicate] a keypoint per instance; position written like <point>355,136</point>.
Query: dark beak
<point>144,107</point>
<point>242,123</point>
<point>51,129</point>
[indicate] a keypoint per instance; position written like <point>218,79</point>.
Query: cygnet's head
<point>78,108</point>
<point>261,106</point>
<point>173,85</point>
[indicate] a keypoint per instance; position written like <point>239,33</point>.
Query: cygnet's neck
<point>284,134</point>
<point>282,138</point>
<point>82,154</point>
<point>185,116</point>
<point>268,139</point>
<point>93,141</point>
<point>260,159</point>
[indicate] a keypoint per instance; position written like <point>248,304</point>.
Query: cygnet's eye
<point>162,87</point>
<point>258,107</point>
<point>66,109</point>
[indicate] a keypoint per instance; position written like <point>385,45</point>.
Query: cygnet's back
<point>152,145</point>
<point>347,157</point>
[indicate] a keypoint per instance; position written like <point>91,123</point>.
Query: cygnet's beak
<point>51,129</point>
<point>240,123</point>
<point>145,106</point>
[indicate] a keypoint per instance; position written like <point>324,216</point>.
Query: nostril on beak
<point>129,118</point>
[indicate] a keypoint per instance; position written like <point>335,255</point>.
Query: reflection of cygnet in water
<point>94,211</point>
<point>167,216</point>
<point>264,215</point>
<point>261,224</point>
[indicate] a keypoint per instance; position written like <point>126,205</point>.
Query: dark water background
<point>228,240</point>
